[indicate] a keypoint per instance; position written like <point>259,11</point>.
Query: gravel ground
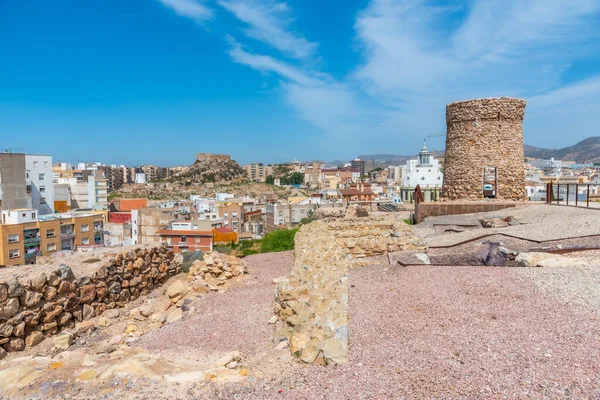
<point>578,286</point>
<point>557,223</point>
<point>234,320</point>
<point>453,332</point>
<point>415,333</point>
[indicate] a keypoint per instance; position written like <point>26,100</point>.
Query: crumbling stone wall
<point>46,303</point>
<point>484,133</point>
<point>312,302</point>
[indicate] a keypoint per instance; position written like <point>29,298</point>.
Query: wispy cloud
<point>270,22</point>
<point>416,57</point>
<point>193,9</point>
<point>267,63</point>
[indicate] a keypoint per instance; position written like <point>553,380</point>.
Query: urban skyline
<point>231,76</point>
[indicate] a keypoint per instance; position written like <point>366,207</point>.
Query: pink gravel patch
<point>234,320</point>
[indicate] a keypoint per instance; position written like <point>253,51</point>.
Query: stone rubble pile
<point>311,302</point>
<point>214,271</point>
<point>32,309</point>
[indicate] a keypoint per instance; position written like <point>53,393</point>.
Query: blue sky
<point>156,81</point>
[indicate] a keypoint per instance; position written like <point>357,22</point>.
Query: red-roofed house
<point>358,192</point>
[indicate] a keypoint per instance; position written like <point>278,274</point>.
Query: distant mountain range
<point>588,150</point>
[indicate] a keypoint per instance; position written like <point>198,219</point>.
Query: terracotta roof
<point>356,192</point>
<point>250,213</point>
<point>225,229</point>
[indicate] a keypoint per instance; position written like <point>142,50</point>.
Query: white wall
<point>39,170</point>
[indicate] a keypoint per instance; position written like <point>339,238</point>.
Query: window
<point>14,253</point>
<point>27,174</point>
<point>45,163</point>
<point>41,176</point>
<point>197,240</point>
<point>50,233</point>
<point>85,228</point>
<point>33,215</point>
<point>184,239</point>
<point>234,214</point>
<point>225,215</point>
<point>226,223</point>
<point>35,163</point>
<point>51,247</point>
<point>85,241</point>
<point>42,200</point>
<point>13,238</point>
<point>42,189</point>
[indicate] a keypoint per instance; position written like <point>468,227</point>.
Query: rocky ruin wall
<point>312,301</point>
<point>45,303</point>
<point>484,133</point>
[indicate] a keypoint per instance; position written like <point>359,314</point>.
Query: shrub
<point>280,240</point>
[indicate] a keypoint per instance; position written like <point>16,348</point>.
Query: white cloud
<point>193,9</point>
<point>418,57</point>
<point>266,63</point>
<point>269,22</point>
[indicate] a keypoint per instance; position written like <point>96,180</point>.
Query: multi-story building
<point>39,182</point>
<point>332,178</point>
<point>359,165</point>
<point>13,182</point>
<point>115,177</point>
<point>154,172</point>
<point>88,187</point>
<point>25,235</point>
<point>232,213</point>
<point>258,172</point>
<point>281,216</point>
<point>184,236</point>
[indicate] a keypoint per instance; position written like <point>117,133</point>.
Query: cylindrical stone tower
<point>484,150</point>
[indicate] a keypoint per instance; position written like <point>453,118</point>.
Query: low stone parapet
<point>43,303</point>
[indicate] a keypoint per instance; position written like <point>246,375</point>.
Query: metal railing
<point>573,194</point>
<point>33,254</point>
<point>30,240</point>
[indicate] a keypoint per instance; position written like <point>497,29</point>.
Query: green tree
<point>270,180</point>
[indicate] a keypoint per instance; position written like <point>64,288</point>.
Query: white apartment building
<point>40,182</point>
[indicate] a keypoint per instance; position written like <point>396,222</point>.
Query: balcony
<point>33,254</point>
<point>67,234</point>
<point>32,240</point>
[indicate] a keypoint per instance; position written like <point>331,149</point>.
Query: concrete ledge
<point>424,210</point>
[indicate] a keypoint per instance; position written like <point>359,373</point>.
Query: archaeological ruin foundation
<point>484,150</point>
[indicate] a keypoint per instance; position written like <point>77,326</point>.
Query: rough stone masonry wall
<point>312,302</point>
<point>484,133</point>
<point>45,303</point>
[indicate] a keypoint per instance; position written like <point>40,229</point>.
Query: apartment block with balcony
<point>25,235</point>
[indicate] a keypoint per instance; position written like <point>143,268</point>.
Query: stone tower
<point>484,146</point>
